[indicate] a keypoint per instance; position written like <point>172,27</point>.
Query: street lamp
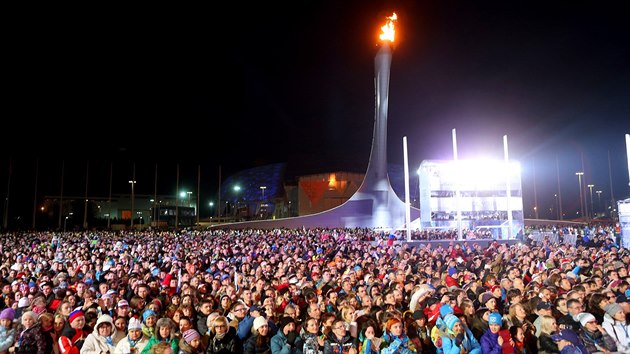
<point>65,221</point>
<point>590,187</point>
<point>557,207</point>
<point>262,189</point>
<point>133,183</point>
<point>237,189</point>
<point>189,193</point>
<point>580,174</point>
<point>211,205</point>
<point>599,200</point>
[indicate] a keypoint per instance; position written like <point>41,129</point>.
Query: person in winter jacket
<point>569,342</point>
<point>191,343</point>
<point>31,338</point>
<point>457,339</point>
<point>101,339</point>
<point>491,342</point>
<point>260,341</point>
<point>594,336</point>
<point>74,334</point>
<point>369,343</point>
<point>164,332</point>
<point>7,330</point>
<point>339,340</point>
<point>287,340</point>
<point>394,339</point>
<point>225,339</point>
<point>616,326</point>
<point>134,341</point>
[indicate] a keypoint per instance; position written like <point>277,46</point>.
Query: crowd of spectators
<point>309,291</point>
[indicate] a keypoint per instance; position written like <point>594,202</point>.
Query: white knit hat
<point>259,322</point>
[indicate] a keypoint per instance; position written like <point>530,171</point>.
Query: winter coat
<point>124,345</point>
<point>32,341</point>
<point>95,343</point>
<point>230,343</point>
<point>469,343</point>
<point>251,347</point>
<point>7,338</point>
<point>490,343</point>
<point>279,344</point>
<point>71,340</point>
<point>334,345</point>
<point>157,339</point>
<point>594,340</point>
<point>546,345</point>
<point>311,345</point>
<point>619,332</point>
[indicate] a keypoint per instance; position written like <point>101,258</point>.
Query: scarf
<point>219,336</point>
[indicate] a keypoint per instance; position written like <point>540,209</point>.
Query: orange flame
<point>388,29</point>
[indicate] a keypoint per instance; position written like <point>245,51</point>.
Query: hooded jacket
<point>97,344</point>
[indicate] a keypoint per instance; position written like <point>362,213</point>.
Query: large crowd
<point>310,291</point>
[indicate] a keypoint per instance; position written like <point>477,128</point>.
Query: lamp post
<point>599,200</point>
<point>237,189</point>
<point>133,183</point>
<point>262,189</point>
<point>590,187</point>
<point>580,174</point>
<point>65,221</point>
<point>189,193</point>
<point>211,205</point>
<point>557,206</point>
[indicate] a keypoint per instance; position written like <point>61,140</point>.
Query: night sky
<point>266,83</point>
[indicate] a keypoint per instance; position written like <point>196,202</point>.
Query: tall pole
<point>590,187</point>
<point>559,190</point>
<point>35,193</point>
<point>407,197</point>
<point>457,186</point>
<point>507,186</point>
<point>599,200</point>
<point>197,210</point>
<point>584,188</point>
<point>85,206</point>
<point>580,174</point>
<point>63,166</point>
<point>557,207</point>
<point>535,194</point>
<point>219,205</point>
<point>133,194</point>
<point>5,218</point>
<point>612,195</point>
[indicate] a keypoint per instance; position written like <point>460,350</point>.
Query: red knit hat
<point>74,315</point>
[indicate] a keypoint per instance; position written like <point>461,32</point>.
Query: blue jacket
<point>470,344</point>
<point>489,343</point>
<point>279,344</point>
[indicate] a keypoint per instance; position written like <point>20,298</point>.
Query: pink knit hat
<point>190,335</point>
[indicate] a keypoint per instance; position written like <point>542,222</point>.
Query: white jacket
<point>96,344</point>
<point>619,331</point>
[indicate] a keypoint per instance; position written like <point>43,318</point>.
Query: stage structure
<point>623,206</point>
<point>476,192</point>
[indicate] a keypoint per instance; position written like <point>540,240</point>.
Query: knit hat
<point>148,313</point>
<point>611,309</point>
<point>585,318</point>
<point>446,309</point>
<point>285,321</point>
<point>259,322</point>
<point>123,303</point>
<point>566,334</point>
<point>134,323</point>
<point>495,319</point>
<point>7,314</point>
<point>74,315</point>
<point>450,321</point>
<point>485,297</point>
<point>23,302</point>
<point>190,335</point>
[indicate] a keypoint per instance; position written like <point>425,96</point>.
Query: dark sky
<point>265,83</point>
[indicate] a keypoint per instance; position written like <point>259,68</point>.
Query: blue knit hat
<point>445,310</point>
<point>450,320</point>
<point>495,319</point>
<point>147,313</point>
